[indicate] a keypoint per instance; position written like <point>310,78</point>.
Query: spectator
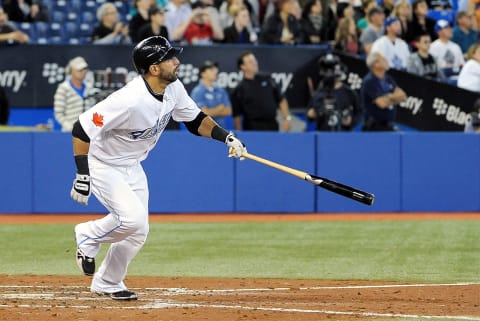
<point>346,39</point>
<point>282,27</point>
<point>156,27</point>
<point>469,77</point>
<point>177,12</point>
<point>140,19</point>
<point>472,125</point>
<point>374,29</point>
<point>447,53</point>
<point>110,30</point>
<point>257,98</point>
<point>313,23</point>
<point>403,11</point>
<point>199,29</point>
<point>74,95</point>
<point>392,48</point>
<point>39,12</point>
<point>240,31</point>
<point>8,33</point>
<point>379,95</point>
<point>421,63</point>
<point>464,33</point>
<point>17,10</point>
<point>420,22</point>
<point>229,7</point>
<point>387,6</point>
<point>334,106</point>
<point>4,107</point>
<point>363,22</point>
<point>345,10</point>
<point>211,98</point>
<point>266,8</point>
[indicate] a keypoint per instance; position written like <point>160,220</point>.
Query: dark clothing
<point>4,107</point>
<point>12,9</point>
<point>146,31</point>
<point>380,119</point>
<point>272,30</point>
<point>417,28</point>
<point>430,66</point>
<point>332,107</point>
<point>231,35</point>
<point>256,100</point>
<point>100,31</point>
<point>134,26</point>
<point>309,30</point>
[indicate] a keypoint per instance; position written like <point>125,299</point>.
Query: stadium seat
<point>88,17</point>
<point>70,31</point>
<point>29,29</point>
<point>59,16</point>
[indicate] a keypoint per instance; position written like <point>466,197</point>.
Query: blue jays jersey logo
<point>152,131</point>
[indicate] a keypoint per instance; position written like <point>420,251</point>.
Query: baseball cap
<point>207,64</point>
<point>78,63</point>
<point>375,10</point>
<point>389,21</point>
<point>441,24</point>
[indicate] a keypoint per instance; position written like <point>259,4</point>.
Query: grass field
<point>408,251</point>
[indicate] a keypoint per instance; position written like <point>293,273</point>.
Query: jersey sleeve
<point>185,108</point>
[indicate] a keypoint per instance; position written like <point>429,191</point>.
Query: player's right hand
<point>81,189</point>
<point>236,147</point>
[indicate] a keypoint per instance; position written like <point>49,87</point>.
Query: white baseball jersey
<point>448,54</point>
<point>396,53</point>
<point>125,126</point>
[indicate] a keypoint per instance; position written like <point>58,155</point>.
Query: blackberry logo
<point>188,74</point>
<point>53,72</point>
<point>440,106</point>
<point>354,81</point>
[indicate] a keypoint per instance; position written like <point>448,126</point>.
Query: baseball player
<point>110,141</point>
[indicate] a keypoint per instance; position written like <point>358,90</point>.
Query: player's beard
<point>169,76</point>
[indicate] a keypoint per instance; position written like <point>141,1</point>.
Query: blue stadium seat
<point>58,16</point>
<point>29,29</point>
<point>88,17</point>
<point>70,31</point>
<point>55,31</point>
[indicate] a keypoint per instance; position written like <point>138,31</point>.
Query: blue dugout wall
<point>407,172</point>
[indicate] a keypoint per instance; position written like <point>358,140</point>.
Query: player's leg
<point>112,272</point>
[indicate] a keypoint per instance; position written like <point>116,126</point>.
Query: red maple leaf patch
<point>97,119</point>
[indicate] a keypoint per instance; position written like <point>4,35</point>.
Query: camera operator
<point>472,125</point>
<point>334,106</point>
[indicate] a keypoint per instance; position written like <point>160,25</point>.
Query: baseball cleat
<point>85,263</point>
<point>124,295</point>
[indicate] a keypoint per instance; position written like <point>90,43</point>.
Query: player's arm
<point>204,125</point>
<point>81,144</point>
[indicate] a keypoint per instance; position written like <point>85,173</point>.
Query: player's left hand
<point>236,147</point>
<point>81,189</point>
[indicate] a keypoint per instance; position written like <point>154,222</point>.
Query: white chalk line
<point>162,303</point>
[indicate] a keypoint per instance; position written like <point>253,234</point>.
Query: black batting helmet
<point>151,51</point>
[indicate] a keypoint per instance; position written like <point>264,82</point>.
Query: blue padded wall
<point>441,172</point>
<point>260,188</point>
<point>366,161</point>
<point>16,168</point>
<point>53,174</point>
<point>187,173</point>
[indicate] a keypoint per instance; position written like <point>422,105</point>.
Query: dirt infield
<point>46,298</point>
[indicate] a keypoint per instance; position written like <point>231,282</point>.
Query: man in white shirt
<point>448,54</point>
<point>394,49</point>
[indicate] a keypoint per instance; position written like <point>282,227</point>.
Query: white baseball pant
<point>124,192</point>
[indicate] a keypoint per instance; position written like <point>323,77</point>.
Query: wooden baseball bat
<point>335,187</point>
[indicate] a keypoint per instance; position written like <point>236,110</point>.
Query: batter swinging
<point>109,142</point>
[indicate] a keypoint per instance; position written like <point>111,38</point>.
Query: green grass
<point>423,251</point>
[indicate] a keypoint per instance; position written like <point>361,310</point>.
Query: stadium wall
<point>408,172</point>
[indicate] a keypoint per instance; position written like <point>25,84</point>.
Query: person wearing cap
<point>448,54</point>
<point>465,31</point>
<point>110,30</point>
<point>212,99</point>
<point>156,27</point>
<point>73,96</point>
<point>380,95</point>
<point>374,30</point>
<point>393,48</point>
